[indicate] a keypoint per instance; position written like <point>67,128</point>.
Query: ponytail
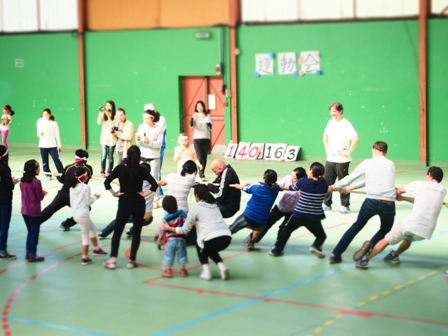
<point>270,179</point>
<point>203,194</point>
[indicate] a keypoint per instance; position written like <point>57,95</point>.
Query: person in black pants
<point>62,198</point>
<point>202,124</point>
<point>131,201</point>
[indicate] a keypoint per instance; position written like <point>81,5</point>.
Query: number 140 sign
<point>253,151</point>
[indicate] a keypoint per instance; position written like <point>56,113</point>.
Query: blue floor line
<point>56,326</point>
<point>265,296</point>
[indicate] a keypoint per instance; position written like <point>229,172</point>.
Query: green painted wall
<point>437,91</point>
<point>137,67</point>
<point>48,79</point>
<point>370,67</point>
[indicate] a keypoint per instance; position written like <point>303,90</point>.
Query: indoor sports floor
<point>296,294</point>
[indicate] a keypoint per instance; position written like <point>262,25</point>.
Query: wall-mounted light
<point>203,35</point>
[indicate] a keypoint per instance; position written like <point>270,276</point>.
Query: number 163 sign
<point>253,151</point>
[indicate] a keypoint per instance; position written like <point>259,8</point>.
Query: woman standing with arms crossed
<point>49,141</point>
<point>202,124</point>
<point>131,201</point>
<point>150,137</point>
<point>107,140</point>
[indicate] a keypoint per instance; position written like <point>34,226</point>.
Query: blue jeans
<point>5,219</point>
<point>107,152</point>
<point>32,239</point>
<point>162,153</point>
<point>370,207</point>
<point>175,245</point>
<point>54,152</point>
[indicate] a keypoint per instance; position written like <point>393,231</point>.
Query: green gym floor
<point>296,294</point>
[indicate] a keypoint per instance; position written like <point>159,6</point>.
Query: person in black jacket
<point>62,198</point>
<point>7,184</point>
<point>228,198</point>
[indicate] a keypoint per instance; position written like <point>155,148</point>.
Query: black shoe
<point>335,259</point>
<point>64,226</point>
<point>129,234</point>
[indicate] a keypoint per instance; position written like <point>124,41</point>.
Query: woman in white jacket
<point>80,201</point>
<point>106,118</point>
<point>150,138</point>
<point>213,233</point>
<point>49,141</point>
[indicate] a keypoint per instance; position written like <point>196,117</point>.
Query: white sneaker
<point>224,274</point>
<point>206,275</point>
<point>317,253</point>
<point>344,210</point>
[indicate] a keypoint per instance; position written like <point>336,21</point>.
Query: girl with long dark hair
<point>202,124</point>
<point>32,196</point>
<point>131,201</point>
<point>106,118</point>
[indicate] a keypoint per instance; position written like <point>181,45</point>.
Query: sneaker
<point>100,237</point>
<point>365,249</point>
<point>64,227</point>
<point>326,208</point>
<point>86,261</point>
<point>206,275</point>
<point>362,264</point>
<point>110,264</point>
<point>103,175</point>
<point>335,259</point>
<point>317,252</point>
<point>168,273</point>
<point>251,247</point>
<point>183,273</point>
<point>273,252</point>
<point>446,272</point>
<point>107,175</point>
<point>224,274</point>
<point>35,259</point>
<point>132,264</point>
<point>99,252</point>
<point>203,178</point>
<point>344,210</point>
<point>129,234</point>
<point>246,240</point>
<point>7,256</point>
<point>49,177</point>
<point>392,258</point>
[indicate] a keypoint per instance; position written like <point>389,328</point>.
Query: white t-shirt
<point>428,202</point>
<point>5,127</point>
<point>340,133</point>
<point>379,180</point>
<point>180,187</point>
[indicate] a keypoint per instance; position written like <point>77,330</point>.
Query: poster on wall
<point>264,64</point>
<point>287,63</point>
<point>310,62</point>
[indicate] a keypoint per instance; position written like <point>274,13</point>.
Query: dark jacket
<point>226,196</point>
<point>6,186</point>
<point>69,171</point>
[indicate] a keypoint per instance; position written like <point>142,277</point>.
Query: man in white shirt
<point>419,224</point>
<point>379,181</point>
<point>340,140</point>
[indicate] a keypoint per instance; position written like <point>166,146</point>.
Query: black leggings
<point>202,147</point>
<point>211,249</point>
<point>128,206</point>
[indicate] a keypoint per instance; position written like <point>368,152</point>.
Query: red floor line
<point>345,311</point>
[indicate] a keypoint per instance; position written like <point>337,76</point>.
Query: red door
<point>207,89</point>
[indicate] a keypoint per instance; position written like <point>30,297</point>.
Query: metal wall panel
<point>326,9</point>
<point>58,15</point>
<point>386,8</point>
<point>18,16</point>
<point>438,6</point>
